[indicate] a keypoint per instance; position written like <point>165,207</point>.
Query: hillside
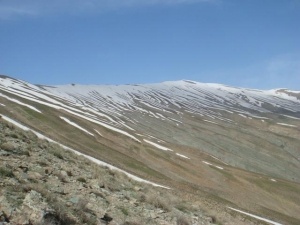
<point>232,147</point>
<point>42,183</point>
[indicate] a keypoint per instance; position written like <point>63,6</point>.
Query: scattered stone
<point>106,218</point>
<point>34,175</point>
<point>74,200</point>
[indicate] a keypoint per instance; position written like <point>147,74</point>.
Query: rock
<point>8,146</point>
<point>3,218</point>
<point>136,188</point>
<point>34,175</point>
<point>63,173</point>
<point>74,200</point>
<point>94,184</point>
<point>106,218</point>
<point>5,207</point>
<point>59,190</point>
<point>209,219</point>
<point>4,153</point>
<point>48,170</point>
<point>32,209</point>
<point>153,215</point>
<point>24,168</point>
<point>160,211</point>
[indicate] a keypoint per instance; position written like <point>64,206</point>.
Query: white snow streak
<point>210,121</point>
<point>287,125</point>
<point>98,132</point>
<point>219,167</point>
<point>20,103</point>
<point>2,104</point>
<point>97,161</point>
<point>242,115</point>
<point>76,125</point>
<point>256,217</point>
<point>291,117</point>
<point>15,123</point>
<point>218,159</point>
<point>157,145</point>
<point>183,156</point>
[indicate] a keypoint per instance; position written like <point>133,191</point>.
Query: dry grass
<point>8,146</point>
<point>6,172</point>
<point>81,179</point>
<point>78,214</point>
<point>159,202</point>
<point>181,220</point>
<point>62,213</point>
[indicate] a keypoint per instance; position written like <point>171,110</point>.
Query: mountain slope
<point>223,142</point>
<point>42,183</point>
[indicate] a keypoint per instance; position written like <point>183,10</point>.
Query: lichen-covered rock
<point>34,206</point>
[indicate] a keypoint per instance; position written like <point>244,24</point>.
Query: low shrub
<point>6,172</point>
<point>8,146</point>
<point>57,154</point>
<point>81,179</point>
<point>159,202</point>
<point>182,221</point>
<point>124,211</point>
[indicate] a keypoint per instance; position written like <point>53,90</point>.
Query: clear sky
<point>248,43</point>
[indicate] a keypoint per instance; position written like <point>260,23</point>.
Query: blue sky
<point>249,43</point>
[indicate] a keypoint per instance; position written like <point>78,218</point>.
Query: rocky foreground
<point>41,183</point>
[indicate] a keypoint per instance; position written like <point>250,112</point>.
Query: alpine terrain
<point>177,152</point>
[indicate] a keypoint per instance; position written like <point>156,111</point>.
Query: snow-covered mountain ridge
<point>183,94</point>
<point>168,97</point>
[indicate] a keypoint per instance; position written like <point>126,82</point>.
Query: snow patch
<point>292,117</point>
<point>183,156</point>
<point>98,132</point>
<point>287,125</point>
<point>218,159</point>
<point>210,121</point>
<point>76,125</point>
<point>256,217</point>
<point>157,145</point>
<point>207,163</point>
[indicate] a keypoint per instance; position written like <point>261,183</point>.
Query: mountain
<point>235,147</point>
